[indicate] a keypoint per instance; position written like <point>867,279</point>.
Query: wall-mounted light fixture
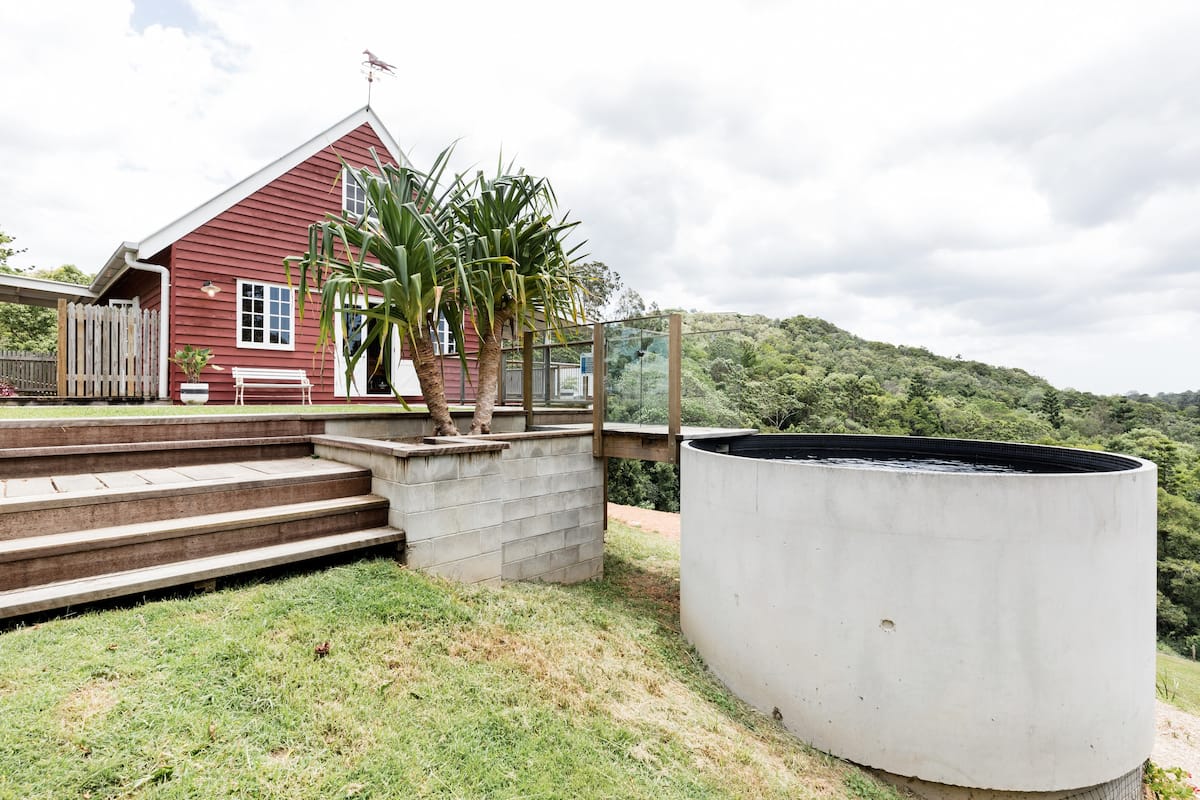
<point>210,288</point>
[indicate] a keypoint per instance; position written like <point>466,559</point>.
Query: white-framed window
<point>265,316</point>
<point>115,303</point>
<point>354,196</point>
<point>443,339</point>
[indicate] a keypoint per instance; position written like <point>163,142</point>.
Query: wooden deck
<point>653,442</point>
<point>33,488</point>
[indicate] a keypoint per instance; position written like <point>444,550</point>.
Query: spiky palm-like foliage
<point>519,270</point>
<point>397,267</point>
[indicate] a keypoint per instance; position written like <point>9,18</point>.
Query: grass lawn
<point>429,689</point>
<point>1178,682</point>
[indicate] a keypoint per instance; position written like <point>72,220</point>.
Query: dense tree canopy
<point>804,374</point>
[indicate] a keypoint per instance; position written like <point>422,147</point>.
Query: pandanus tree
<point>518,269</point>
<point>394,269</point>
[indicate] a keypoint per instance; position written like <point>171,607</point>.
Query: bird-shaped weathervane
<point>374,65</point>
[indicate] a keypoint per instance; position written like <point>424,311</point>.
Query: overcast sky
<point>1015,182</point>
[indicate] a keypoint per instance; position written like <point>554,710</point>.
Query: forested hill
<point>804,374</point>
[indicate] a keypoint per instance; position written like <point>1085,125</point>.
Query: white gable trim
<point>235,194</point>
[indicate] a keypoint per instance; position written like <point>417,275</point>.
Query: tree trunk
<point>489,372</point>
<point>432,387</point>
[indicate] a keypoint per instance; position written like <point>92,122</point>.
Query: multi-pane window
<point>265,316</point>
<point>354,196</point>
<point>443,341</point>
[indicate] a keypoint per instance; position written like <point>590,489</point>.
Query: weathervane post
<point>375,66</point>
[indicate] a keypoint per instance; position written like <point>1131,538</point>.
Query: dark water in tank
<point>909,463</point>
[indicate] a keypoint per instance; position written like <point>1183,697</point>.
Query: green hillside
<point>804,374</point>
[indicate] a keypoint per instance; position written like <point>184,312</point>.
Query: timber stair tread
<point>132,447</point>
<point>54,544</point>
<point>44,597</point>
<point>175,480</point>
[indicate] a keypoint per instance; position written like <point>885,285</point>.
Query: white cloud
<point>1012,181</point>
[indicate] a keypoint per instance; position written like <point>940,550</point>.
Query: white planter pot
<point>193,394</point>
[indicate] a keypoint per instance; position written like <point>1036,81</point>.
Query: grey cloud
<point>1104,139</point>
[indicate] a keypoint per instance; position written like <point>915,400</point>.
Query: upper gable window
<point>265,318</point>
<point>354,196</point>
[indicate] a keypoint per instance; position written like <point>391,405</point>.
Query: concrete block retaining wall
<point>515,506</point>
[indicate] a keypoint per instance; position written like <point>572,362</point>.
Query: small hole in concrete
<point>887,625</point>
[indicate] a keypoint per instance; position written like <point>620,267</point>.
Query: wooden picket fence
<point>29,373</point>
<point>106,351</point>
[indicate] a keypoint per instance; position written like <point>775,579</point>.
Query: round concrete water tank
<point>991,629</point>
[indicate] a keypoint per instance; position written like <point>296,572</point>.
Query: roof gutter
<point>164,316</point>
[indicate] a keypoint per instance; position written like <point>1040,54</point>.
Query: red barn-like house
<point>237,242</point>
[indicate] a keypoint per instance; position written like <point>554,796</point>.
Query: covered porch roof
<point>26,291</point>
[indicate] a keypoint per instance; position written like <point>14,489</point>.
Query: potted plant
<point>192,360</point>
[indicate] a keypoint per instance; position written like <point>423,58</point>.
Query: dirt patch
<point>661,522</point>
<point>94,699</point>
<point>1177,741</point>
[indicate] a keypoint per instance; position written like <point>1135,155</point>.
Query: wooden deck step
<point>55,557</point>
<point>87,590</point>
<point>27,462</point>
<point>58,504</point>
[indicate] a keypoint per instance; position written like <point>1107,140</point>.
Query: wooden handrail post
<point>674,385</point>
<point>598,396</point>
<point>61,359</point>
<point>527,378</point>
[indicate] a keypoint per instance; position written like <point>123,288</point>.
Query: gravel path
<point>1177,743</point>
<point>658,521</point>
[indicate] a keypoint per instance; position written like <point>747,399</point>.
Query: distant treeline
<point>804,374</point>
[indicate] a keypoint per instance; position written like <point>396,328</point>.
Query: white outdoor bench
<point>264,378</point>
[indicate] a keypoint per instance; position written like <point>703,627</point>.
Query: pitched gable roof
<point>176,230</point>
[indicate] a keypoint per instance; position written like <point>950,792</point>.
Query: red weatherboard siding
<point>249,241</point>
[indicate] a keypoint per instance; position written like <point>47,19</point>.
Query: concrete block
<point>519,509</point>
<point>568,556</point>
<point>536,486</point>
<point>584,570</point>
<point>510,489</point>
<point>428,469</point>
<point>591,550</point>
<point>583,533</point>
<point>474,465</point>
<point>417,496</point>
<point>456,546</point>
<point>470,570</point>
<point>510,571</point>
<point>552,465</point>
<point>592,514</point>
<point>494,583</point>
<point>549,541</point>
<point>489,538</point>
<point>397,518</point>
<point>553,576</point>
<point>519,467</point>
<point>519,550</point>
<point>478,515</point>
<point>532,567</point>
<point>567,446</point>
<point>535,526</point>
<point>550,503</point>
<point>419,555</point>
<point>432,524</point>
<point>564,520</point>
<point>458,492</point>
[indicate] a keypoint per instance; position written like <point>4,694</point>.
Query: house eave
<point>26,291</point>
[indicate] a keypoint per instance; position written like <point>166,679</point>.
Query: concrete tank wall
<point>981,630</point>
